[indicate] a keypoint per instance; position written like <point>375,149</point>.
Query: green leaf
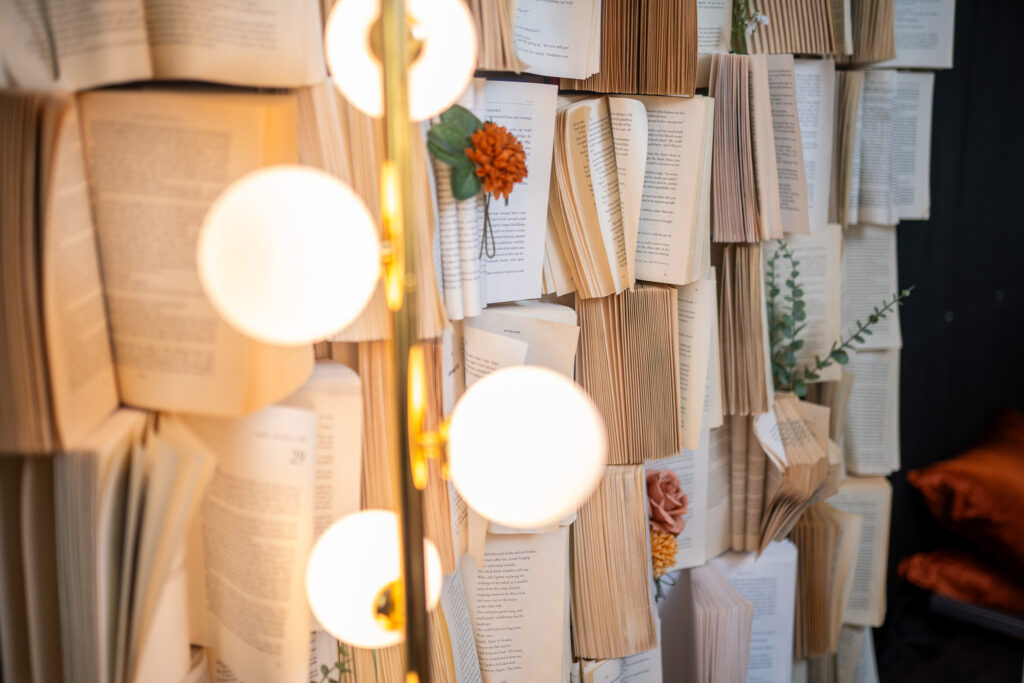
<point>811,374</point>
<point>796,345</point>
<point>443,155</point>
<point>798,292</point>
<point>463,119</point>
<point>795,274</point>
<point>800,314</point>
<point>873,318</point>
<point>324,669</point>
<point>866,331</point>
<point>449,138</point>
<point>790,358</point>
<point>465,184</point>
<point>840,357</point>
<point>800,388</point>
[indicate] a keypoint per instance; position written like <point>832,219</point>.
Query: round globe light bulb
<point>526,446</point>
<point>288,255</point>
<point>352,562</point>
<point>438,76</point>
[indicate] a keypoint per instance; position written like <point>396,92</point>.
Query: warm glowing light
<point>438,75</point>
<point>288,255</point>
<point>351,563</point>
<point>526,446</point>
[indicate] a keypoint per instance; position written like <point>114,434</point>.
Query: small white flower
<point>750,28</point>
<point>763,18</point>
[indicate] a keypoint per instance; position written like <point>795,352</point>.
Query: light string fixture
<point>278,248</point>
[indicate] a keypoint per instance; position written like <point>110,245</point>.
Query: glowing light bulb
<point>288,255</point>
<point>526,446</point>
<point>440,72</point>
<point>351,563</point>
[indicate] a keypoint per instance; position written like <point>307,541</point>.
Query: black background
<point>963,327</point>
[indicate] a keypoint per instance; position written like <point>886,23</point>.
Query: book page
<point>674,189</point>
<point>717,538</point>
<point>549,343</point>
<point>819,257</point>
<point>692,468</point>
<point>242,42</point>
<point>871,498</point>
<point>696,319</point>
<point>876,156</point>
<point>912,144</point>
<point>520,226</point>
<point>554,38</point>
<point>486,352</point>
<point>815,100</point>
<point>166,655</point>
<point>630,138</point>
<point>869,279</point>
<point>713,417</point>
<point>517,604</point>
<point>762,144</point>
<point>106,44</point>
<point>923,33</point>
<point>644,667</point>
<point>789,152</point>
<point>83,386</point>
<point>871,430</point>
<point>248,544</point>
<point>460,629</point>
<point>714,26</point>
<point>851,643</point>
<point>156,161</point>
<point>769,584</point>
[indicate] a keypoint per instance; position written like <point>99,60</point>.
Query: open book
<point>562,39</point>
<point>801,27</point>
<point>647,47</point>
<point>241,42</point>
<point>923,33</point>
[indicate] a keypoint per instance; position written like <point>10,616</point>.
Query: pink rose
<point>668,502</point>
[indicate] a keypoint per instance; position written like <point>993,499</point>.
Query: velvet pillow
<point>979,495</point>
<point>960,575</point>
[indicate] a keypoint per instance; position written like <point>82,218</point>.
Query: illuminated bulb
<point>288,255</point>
<point>351,564</point>
<point>439,74</point>
<point>526,446</point>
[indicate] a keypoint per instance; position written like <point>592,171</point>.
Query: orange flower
<point>499,158</point>
<point>663,551</point>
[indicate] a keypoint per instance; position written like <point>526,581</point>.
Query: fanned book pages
<point>706,626</point>
<point>844,197</point>
<point>612,604</point>
<point>747,387</point>
<point>714,33</point>
<point>810,27</point>
<point>826,540</point>
<point>873,23</point>
<point>745,205</point>
<point>768,582</point>
<point>495,30</point>
<point>871,498</point>
<point>647,47</point>
<point>254,43</point>
<point>629,364</point>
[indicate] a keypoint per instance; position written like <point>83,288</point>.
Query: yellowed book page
<point>244,42</point>
<point>696,317</point>
<point>463,647</point>
<point>789,153</point>
<point>257,621</point>
<point>550,343</point>
<point>104,45</point>
<point>156,162</point>
<point>83,386</point>
<point>763,143</point>
<point>714,30</point>
<point>486,352</point>
<point>630,139</point>
<point>554,38</point>
<point>871,498</point>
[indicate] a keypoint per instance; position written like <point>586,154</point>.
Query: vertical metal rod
<point>405,229</point>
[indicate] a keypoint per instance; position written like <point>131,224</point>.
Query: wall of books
<point>704,239</point>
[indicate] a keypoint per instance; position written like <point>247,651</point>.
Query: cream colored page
<point>695,309</point>
<point>334,393</point>
<point>166,655</point>
<point>714,25</point>
<point>643,667</point>
<point>789,158</point>
<point>460,629</point>
<point>549,344</point>
<point>520,226</point>
<point>851,642</point>
<point>871,498</point>
<point>469,219</point>
<point>248,544</point>
<point>516,602</point>
<point>871,430</point>
<point>876,156</point>
<point>923,33</point>
<point>453,366</point>
<point>869,278</point>
<point>592,167</point>
<point>675,153</point>
<point>450,258</point>
<point>819,258</point>
<point>912,143</point>
<point>717,537</point>
<point>713,417</point>
<point>629,136</point>
<point>814,81</point>
<point>692,469</point>
<point>486,352</point>
<point>83,386</point>
<point>844,562</point>
<point>104,45</point>
<point>323,651</point>
<point>762,141</point>
<point>156,162</point>
<point>553,38</point>
<point>244,42</point>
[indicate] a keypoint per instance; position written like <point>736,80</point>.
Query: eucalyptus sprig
<point>784,327</point>
<point>744,22</point>
<point>332,674</point>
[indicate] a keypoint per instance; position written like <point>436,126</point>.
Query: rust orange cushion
<point>979,495</point>
<point>960,575</point>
